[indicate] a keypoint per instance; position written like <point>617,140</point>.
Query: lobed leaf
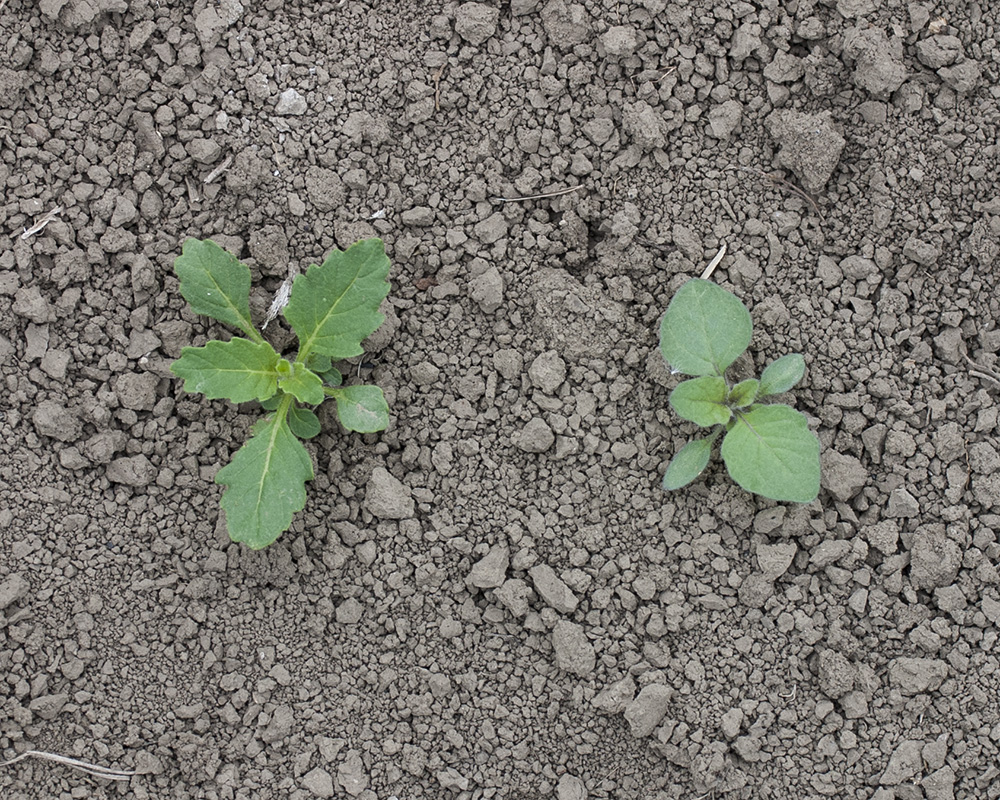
<point>334,306</point>
<point>304,385</point>
<point>303,422</point>
<point>782,374</point>
<point>688,464</point>
<point>239,370</point>
<point>704,330</point>
<point>266,483</point>
<point>216,284</point>
<point>743,393</point>
<point>702,400</point>
<point>770,451</point>
<point>361,408</point>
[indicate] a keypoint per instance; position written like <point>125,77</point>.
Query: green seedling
<point>332,308</point>
<point>768,447</point>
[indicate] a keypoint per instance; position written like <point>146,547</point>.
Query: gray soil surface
<point>495,598</point>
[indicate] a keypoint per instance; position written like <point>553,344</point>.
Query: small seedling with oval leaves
<point>332,307</point>
<point>768,448</point>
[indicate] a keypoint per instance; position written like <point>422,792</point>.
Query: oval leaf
<point>688,464</point>
<point>704,330</point>
<point>361,408</point>
<point>782,374</point>
<point>216,284</point>
<point>770,451</point>
<point>702,400</point>
<point>303,422</point>
<point>238,370</point>
<point>743,393</point>
<point>335,305</point>
<point>304,385</point>
<point>266,482</point>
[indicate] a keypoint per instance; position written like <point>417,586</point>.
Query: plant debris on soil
<point>495,598</point>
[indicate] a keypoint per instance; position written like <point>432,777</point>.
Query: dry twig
<point>980,371</point>
<point>542,196</point>
<point>800,193</point>
<point>90,769</point>
<point>40,225</point>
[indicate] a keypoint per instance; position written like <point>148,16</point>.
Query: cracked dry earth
<point>494,598</point>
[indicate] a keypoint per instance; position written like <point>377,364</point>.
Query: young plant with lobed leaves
<point>332,308</point>
<point>767,447</point>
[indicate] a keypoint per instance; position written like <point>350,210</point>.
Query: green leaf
<point>688,464</point>
<point>332,377</point>
<point>704,330</point>
<point>335,305</point>
<point>319,363</point>
<point>239,370</point>
<point>743,393</point>
<point>361,408</point>
<point>266,482</point>
<point>304,385</point>
<point>303,422</point>
<point>770,451</point>
<point>782,374</point>
<point>216,284</point>
<point>272,402</point>
<point>702,400</point>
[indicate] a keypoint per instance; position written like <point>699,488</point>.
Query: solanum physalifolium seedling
<point>767,448</point>
<point>332,307</point>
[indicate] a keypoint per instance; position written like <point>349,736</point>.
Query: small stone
<point>386,497</point>
<point>137,390</point>
<point>883,536</point>
<point>514,596</point>
<point>615,698</point>
<point>204,151</point>
<point>648,709</point>
<point>810,145</point>
<point>724,119</point>
<point>934,559</point>
<point>755,590</point>
<point>290,104</point>
<point>452,780</point>
<point>552,590</point>
<point>842,475</point>
<point>351,774</point>
<point>731,723</point>
<point>570,788</point>
<point>902,504</point>
<point>962,78</point>
<point>29,303</point>
<point>48,706</point>
<point>535,437</point>
<point>491,229</point>
<point>917,675</point>
<point>641,121</point>
<point>349,612</point>
<point>829,552</point>
<point>573,652</point>
<point>280,725</point>
<point>548,371</point>
<point>836,674</point>
<point>131,471</point>
<point>491,570</point>
<point>476,22</point>
<point>319,782</point>
<point>775,559</point>
<point>486,290</point>
<point>939,785</point>
<point>904,763</point>
<point>14,587</point>
<point>620,41</point>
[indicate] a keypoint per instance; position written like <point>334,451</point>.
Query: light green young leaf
<point>702,400</point>
<point>266,482</point>
<point>782,374</point>
<point>770,451</point>
<point>303,422</point>
<point>216,284</point>
<point>239,370</point>
<point>304,385</point>
<point>361,408</point>
<point>743,393</point>
<point>704,330</point>
<point>335,305</point>
<point>688,464</point>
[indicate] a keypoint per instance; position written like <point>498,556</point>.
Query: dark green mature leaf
<point>266,482</point>
<point>335,305</point>
<point>216,284</point>
<point>702,400</point>
<point>688,464</point>
<point>239,370</point>
<point>704,330</point>
<point>770,451</point>
<point>782,374</point>
<point>303,422</point>
<point>304,385</point>
<point>743,393</point>
<point>361,408</point>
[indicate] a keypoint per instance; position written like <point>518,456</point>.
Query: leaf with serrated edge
<point>304,385</point>
<point>361,408</point>
<point>704,330</point>
<point>770,451</point>
<point>335,305</point>
<point>303,422</point>
<point>266,483</point>
<point>702,400</point>
<point>216,284</point>
<point>238,370</point>
<point>688,464</point>
<point>782,374</point>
